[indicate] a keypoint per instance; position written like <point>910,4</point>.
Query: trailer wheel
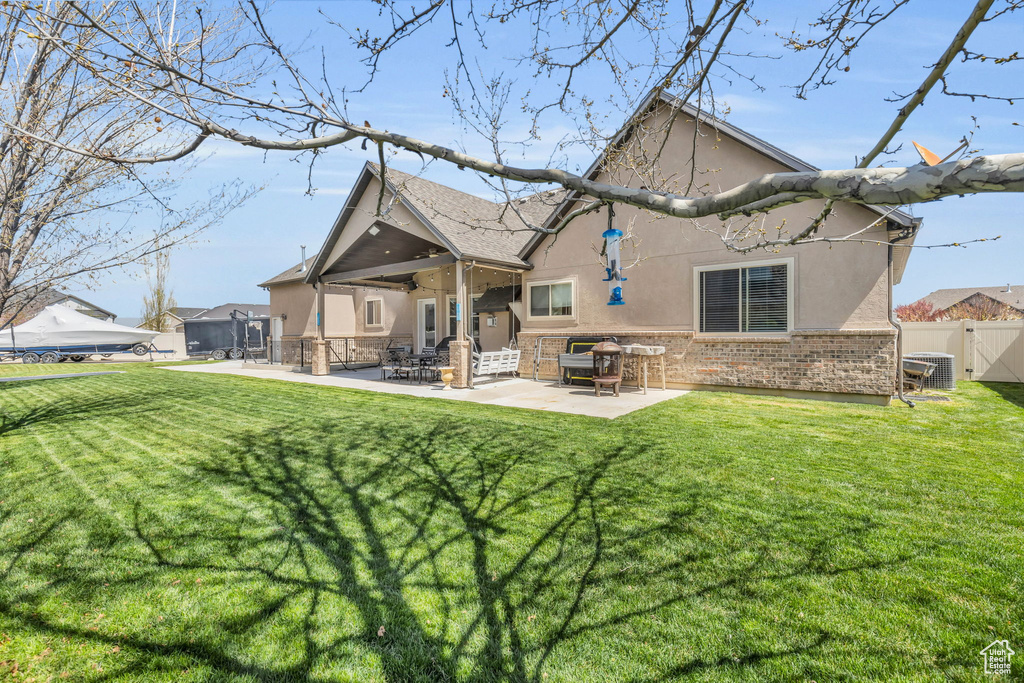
<point>49,357</point>
<point>30,357</point>
<point>77,359</point>
<point>235,354</point>
<point>140,349</point>
<point>219,354</point>
<point>106,355</point>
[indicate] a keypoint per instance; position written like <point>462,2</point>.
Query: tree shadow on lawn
<point>431,550</point>
<point>1009,391</point>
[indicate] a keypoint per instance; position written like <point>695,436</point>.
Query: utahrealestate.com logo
<point>997,658</point>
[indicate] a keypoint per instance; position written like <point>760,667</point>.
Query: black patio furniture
<point>404,365</point>
<point>424,363</point>
<point>388,363</point>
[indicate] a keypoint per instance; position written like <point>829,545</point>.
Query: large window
<point>551,299</point>
<point>755,298</point>
<point>374,312</point>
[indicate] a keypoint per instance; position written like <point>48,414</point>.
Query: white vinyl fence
<point>988,351</point>
<point>171,341</point>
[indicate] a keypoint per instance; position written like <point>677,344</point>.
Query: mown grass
<point>157,525</point>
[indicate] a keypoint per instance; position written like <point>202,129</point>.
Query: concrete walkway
<point>513,393</point>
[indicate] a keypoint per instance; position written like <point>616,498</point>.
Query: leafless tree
<point>64,216</point>
<point>159,299</point>
<point>156,55</point>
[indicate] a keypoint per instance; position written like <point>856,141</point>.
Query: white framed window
<point>374,312</point>
<point>755,297</point>
<point>551,299</point>
<point>452,322</point>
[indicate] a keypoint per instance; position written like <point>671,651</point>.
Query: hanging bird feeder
<point>613,261</point>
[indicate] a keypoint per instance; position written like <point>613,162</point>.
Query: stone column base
<point>320,364</point>
<point>461,362</point>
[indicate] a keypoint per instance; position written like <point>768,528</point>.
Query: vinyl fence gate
<point>985,351</point>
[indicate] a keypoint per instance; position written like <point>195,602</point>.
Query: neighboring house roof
<point>942,299</point>
<point>224,310</point>
<point>294,274</point>
<point>49,297</point>
<point>469,226</point>
<point>184,313</point>
<point>899,218</point>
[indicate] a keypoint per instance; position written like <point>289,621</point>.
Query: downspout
<point>895,323</point>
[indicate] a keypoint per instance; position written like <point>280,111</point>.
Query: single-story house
<point>175,317</point>
<point>807,320</point>
<point>27,306</point>
<point>1011,296</point>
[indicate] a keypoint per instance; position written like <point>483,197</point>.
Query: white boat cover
<point>61,326</point>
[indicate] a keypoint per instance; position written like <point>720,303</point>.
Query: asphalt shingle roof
<point>474,226</point>
<point>224,310</point>
<point>184,312</point>
<point>944,298</point>
<point>293,274</point>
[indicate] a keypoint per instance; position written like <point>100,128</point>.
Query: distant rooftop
<point>944,298</point>
<point>224,310</point>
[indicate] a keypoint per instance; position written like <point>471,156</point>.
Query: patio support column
<point>321,364</point>
<point>459,349</point>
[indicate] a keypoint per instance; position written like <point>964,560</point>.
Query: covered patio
<point>454,258</point>
<point>508,392</point>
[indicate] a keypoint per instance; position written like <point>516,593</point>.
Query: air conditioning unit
<point>944,376</point>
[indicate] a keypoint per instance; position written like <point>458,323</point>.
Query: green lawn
<point>171,526</point>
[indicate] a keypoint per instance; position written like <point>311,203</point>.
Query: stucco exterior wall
<point>344,311</point>
<point>494,338</point>
<point>843,287</point>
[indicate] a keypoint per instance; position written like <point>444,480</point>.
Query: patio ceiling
<point>387,254</point>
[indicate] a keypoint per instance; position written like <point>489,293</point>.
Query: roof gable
<point>647,108</point>
<point>470,227</point>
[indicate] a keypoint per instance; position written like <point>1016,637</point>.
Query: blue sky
<point>828,130</point>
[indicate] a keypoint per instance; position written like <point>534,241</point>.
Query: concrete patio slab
<point>513,393</point>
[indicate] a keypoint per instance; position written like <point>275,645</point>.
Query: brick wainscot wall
<point>858,365</point>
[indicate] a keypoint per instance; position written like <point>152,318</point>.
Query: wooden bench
<point>496,362</point>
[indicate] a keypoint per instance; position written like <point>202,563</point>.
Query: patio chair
<point>404,366</point>
<point>388,363</point>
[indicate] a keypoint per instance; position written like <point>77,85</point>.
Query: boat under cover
<point>59,328</point>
